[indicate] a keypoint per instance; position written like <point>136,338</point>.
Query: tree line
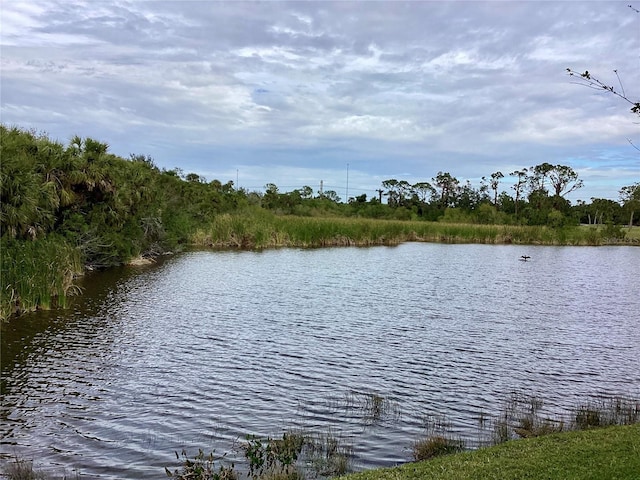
<point>113,208</point>
<point>530,196</point>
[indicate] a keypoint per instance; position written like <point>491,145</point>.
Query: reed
<point>435,446</point>
<point>259,229</point>
<point>523,416</point>
<point>372,407</point>
<point>327,455</point>
<point>37,274</point>
<point>605,412</point>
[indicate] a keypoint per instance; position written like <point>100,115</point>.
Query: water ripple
<point>208,347</point>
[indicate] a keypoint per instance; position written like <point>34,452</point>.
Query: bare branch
<point>620,82</point>
<point>587,80</point>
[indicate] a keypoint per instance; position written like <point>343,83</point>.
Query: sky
<point>347,93</point>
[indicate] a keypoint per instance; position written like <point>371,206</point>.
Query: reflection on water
<point>207,347</point>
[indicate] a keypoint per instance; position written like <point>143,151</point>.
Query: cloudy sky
<point>348,93</point>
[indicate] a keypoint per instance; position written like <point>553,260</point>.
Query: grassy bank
<point>262,229</point>
<point>612,452</point>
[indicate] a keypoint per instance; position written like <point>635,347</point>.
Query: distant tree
<point>359,199</point>
<point>424,191</point>
<point>404,191</point>
<point>495,184</point>
<point>306,192</point>
<point>564,180</point>
<point>467,197</point>
<point>602,210</point>
<point>521,181</point>
<point>271,188</point>
<point>538,207</point>
<point>332,195</point>
<point>271,197</point>
<point>507,203</point>
<point>448,186</point>
<point>145,159</point>
<point>391,187</point>
<point>630,196</point>
<point>228,187</point>
<point>194,178</point>
<point>538,177</point>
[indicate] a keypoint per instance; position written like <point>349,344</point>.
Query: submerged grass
<point>259,229</point>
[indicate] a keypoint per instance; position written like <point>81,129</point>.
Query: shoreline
<point>256,233</point>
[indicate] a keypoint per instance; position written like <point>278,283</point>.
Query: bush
<point>613,232</point>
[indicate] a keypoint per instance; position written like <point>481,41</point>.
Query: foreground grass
<point>604,453</point>
<point>599,438</point>
<point>601,453</point>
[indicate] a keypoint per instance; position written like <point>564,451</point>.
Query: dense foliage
<point>65,208</point>
<point>83,203</point>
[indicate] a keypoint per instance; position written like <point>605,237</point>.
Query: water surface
<point>207,347</point>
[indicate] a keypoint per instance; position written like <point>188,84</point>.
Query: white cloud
<point>563,126</point>
<point>18,18</point>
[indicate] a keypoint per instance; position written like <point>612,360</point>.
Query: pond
<point>204,348</point>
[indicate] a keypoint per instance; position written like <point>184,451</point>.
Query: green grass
<point>634,233</point>
<point>258,229</point>
<point>607,453</point>
<point>37,274</point>
<point>631,235</point>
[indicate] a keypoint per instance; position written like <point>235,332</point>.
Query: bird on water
<point>524,258</point>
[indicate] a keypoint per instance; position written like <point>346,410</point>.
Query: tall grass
<point>258,229</point>
<point>37,274</point>
<point>523,416</point>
